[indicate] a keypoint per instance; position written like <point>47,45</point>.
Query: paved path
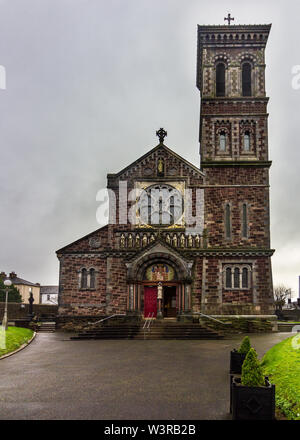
<point>55,378</point>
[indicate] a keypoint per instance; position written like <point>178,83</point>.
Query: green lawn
<point>282,365</point>
<point>15,337</point>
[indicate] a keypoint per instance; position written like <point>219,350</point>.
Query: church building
<point>183,239</point>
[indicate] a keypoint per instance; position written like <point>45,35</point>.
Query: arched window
<point>92,278</point>
<point>228,283</point>
<point>227,221</point>
<point>83,278</point>
<point>245,278</point>
<point>220,79</point>
<point>236,278</point>
<point>149,209</point>
<point>172,210</point>
<point>246,79</point>
<point>222,141</point>
<point>247,141</point>
<point>245,221</point>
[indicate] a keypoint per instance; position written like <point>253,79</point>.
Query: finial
<point>161,133</point>
<point>229,19</point>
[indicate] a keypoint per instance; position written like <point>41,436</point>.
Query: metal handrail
<point>147,324</point>
<point>209,317</point>
<point>150,321</point>
<point>105,319</point>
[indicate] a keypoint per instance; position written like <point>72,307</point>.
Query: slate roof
<point>17,280</point>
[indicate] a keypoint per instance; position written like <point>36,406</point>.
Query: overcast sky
<point>88,84</point>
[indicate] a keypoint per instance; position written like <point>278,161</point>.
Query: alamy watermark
<point>2,78</point>
<point>2,338</point>
<point>296,77</point>
<point>296,339</point>
<point>159,205</point>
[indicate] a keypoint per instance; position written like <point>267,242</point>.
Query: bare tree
<point>281,294</point>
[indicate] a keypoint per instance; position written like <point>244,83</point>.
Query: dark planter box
<point>236,362</point>
<point>253,403</point>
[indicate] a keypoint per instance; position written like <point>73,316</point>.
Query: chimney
<point>12,275</point>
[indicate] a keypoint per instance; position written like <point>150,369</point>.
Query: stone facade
<point>222,267</point>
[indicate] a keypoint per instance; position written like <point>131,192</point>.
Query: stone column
<point>187,298</point>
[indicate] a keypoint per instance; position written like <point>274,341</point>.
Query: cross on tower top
<point>229,19</point>
<point>161,133</point>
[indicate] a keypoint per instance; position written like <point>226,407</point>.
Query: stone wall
<point>15,311</point>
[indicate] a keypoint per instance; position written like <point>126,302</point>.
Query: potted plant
<point>253,397</point>
<point>237,357</point>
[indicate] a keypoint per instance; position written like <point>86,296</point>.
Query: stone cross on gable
<point>229,19</point>
<point>161,133</point>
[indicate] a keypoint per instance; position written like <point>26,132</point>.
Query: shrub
<point>13,293</point>
<point>245,345</point>
<point>252,372</point>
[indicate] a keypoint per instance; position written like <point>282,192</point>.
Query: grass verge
<point>282,364</point>
<point>13,338</point>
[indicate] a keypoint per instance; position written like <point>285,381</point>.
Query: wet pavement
<point>55,378</point>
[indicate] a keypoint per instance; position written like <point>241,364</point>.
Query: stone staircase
<point>286,326</point>
<point>47,327</point>
<point>159,330</point>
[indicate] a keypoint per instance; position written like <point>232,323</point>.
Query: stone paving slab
<point>55,378</point>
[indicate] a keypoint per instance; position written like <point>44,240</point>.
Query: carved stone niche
<point>94,242</point>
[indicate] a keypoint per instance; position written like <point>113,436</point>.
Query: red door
<point>150,301</point>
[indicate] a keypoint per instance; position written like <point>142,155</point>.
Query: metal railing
<point>105,319</point>
<point>148,323</point>
<point>209,317</point>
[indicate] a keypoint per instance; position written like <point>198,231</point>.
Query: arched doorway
<point>154,267</point>
<point>161,290</point>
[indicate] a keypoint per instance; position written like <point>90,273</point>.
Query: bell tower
<point>235,161</point>
<point>231,80</point>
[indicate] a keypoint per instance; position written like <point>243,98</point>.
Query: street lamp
<point>7,284</point>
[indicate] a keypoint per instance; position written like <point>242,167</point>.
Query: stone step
<point>142,337</point>
<point>158,331</point>
<point>286,327</point>
<point>47,327</point>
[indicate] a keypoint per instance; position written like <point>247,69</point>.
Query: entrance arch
<point>159,265</point>
<point>163,276</point>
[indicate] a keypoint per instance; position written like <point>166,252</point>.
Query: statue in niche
<point>168,239</point>
<point>137,240</point>
<point>160,166</point>
<point>152,238</point>
<point>122,241</point>
<point>130,241</point>
<point>145,240</point>
<point>190,241</point>
<point>159,291</point>
<point>174,240</point>
<point>197,240</point>
<point>182,240</point>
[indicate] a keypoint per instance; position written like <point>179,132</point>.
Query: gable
<point>147,166</point>
<point>95,241</point>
